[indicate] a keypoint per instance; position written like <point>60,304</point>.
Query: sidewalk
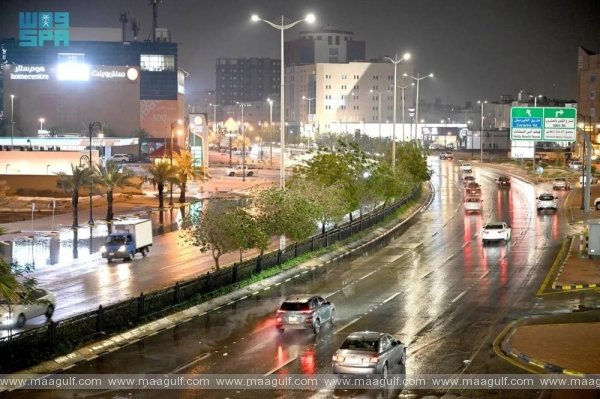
<point>566,343</point>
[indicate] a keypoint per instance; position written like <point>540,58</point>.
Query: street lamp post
<point>481,136</point>
<point>242,106</point>
<point>283,26</point>
<point>403,108</point>
<point>271,130</point>
<point>214,116</point>
<point>395,61</point>
<point>42,120</point>
<point>177,122</point>
<point>418,79</point>
<point>12,120</point>
<point>92,126</point>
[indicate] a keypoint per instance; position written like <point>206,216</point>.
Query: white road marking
<point>332,294</point>
<point>459,296</point>
<point>198,359</point>
<point>367,275</point>
<point>390,298</point>
<point>280,367</point>
<point>347,325</point>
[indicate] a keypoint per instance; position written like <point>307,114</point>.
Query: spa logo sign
<point>38,28</point>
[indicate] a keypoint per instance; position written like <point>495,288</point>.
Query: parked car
<point>560,183</point>
<point>503,182</point>
<point>593,180</point>
<point>597,203</point>
<point>249,170</point>
<point>546,201</point>
<point>301,312</point>
<point>473,189</point>
<point>122,158</point>
<point>468,179</point>
<point>367,353</point>
<point>16,314</point>
<point>495,231</point>
<point>466,168</point>
<point>446,155</point>
<point>473,204</point>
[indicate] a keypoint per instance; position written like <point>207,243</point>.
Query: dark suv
<point>446,155</point>
<point>300,312</point>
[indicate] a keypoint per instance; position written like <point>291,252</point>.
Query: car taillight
<point>337,358</point>
<point>280,311</point>
<point>306,311</point>
<point>373,360</point>
<point>278,318</point>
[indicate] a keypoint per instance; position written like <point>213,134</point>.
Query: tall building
<point>123,85</point>
<point>246,79</point>
<point>326,45</point>
<point>588,86</point>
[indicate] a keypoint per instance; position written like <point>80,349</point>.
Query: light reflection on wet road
<point>435,287</point>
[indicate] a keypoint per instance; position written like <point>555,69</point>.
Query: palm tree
<point>110,177</point>
<point>185,171</point>
<point>80,176</point>
<point>162,172</point>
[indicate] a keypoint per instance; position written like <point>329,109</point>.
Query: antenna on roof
<point>135,28</point>
<point>154,17</point>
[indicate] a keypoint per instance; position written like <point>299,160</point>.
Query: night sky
<point>476,48</point>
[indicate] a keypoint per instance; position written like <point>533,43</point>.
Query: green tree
<point>410,159</point>
<point>110,177</point>
<point>80,177</point>
<point>185,171</point>
<point>328,200</point>
<point>215,229</point>
<point>162,173</point>
<point>284,213</point>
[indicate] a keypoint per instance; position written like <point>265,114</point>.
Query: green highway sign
<point>543,123</point>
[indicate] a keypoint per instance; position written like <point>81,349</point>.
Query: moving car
<point>503,181</point>
<point>495,231</point>
<point>301,312</point>
<point>468,179</point>
<point>473,188</point>
<point>576,165</point>
<point>16,314</point>
<point>446,155</point>
<point>466,168</point>
<point>597,203</point>
<point>560,183</point>
<point>368,352</point>
<point>546,201</point>
<point>249,169</point>
<point>473,204</point>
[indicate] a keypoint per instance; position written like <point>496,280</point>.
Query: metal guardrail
<point>29,347</point>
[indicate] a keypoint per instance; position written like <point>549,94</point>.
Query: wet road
<point>435,287</point>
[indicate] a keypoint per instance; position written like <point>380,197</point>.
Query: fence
<point>60,337</point>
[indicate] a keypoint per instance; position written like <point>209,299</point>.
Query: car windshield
<point>546,197</point>
<point>361,344</point>
<point>294,306</point>
<point>493,226</point>
<point>117,240</point>
<point>560,179</point>
<point>503,178</point>
<point>472,199</point>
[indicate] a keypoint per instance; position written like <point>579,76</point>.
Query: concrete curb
<point>512,353</point>
<point>568,287</point>
<point>118,341</point>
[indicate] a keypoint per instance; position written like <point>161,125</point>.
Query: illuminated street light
<point>214,116</point>
<point>418,79</point>
<point>271,131</point>
<point>42,120</point>
<point>481,137</point>
<point>396,61</point>
<point>284,25</point>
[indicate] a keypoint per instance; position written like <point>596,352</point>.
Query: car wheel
<point>144,252</point>
<point>332,318</point>
<point>21,320</point>
<point>232,174</point>
<point>598,206</point>
<point>281,330</point>
<point>484,242</point>
<point>49,311</point>
<point>109,260</point>
<point>316,326</point>
<point>250,174</point>
<point>384,371</point>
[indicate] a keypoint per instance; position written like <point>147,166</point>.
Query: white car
<point>495,231</point>
<point>560,183</point>
<point>250,170</point>
<point>16,314</point>
<point>546,201</point>
<point>468,179</point>
<point>576,165</point>
<point>466,168</point>
<point>473,204</point>
<point>122,158</point>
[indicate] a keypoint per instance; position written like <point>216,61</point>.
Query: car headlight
<point>122,248</point>
<point>103,249</point>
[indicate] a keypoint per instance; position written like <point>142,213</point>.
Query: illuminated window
<point>157,62</point>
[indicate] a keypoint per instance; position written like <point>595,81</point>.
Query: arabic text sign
<point>543,123</point>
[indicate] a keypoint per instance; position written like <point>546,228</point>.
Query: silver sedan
<point>368,352</point>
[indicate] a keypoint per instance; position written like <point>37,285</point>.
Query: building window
<point>71,58</point>
<point>592,95</point>
<point>333,60</point>
<point>329,39</point>
<point>375,77</point>
<point>157,62</point>
<point>337,40</point>
<point>593,112</point>
<point>344,77</point>
<point>328,107</point>
<point>344,87</point>
<point>356,77</point>
<point>319,37</point>
<point>592,78</point>
<point>355,87</point>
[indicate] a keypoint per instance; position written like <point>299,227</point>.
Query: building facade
<point>588,90</point>
<point>246,79</point>
<point>123,85</point>
<point>326,45</point>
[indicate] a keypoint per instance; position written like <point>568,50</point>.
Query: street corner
<point>577,271</point>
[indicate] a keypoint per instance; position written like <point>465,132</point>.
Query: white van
<point>250,170</point>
